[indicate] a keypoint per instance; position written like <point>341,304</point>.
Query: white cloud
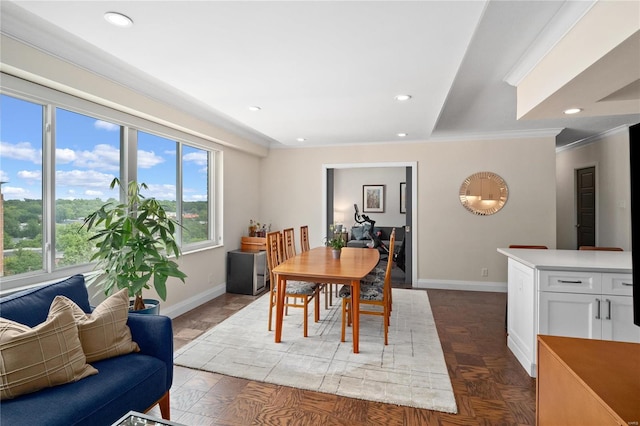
<point>14,192</point>
<point>148,159</point>
<point>170,152</point>
<point>21,151</point>
<point>65,155</point>
<point>102,157</point>
<point>161,192</point>
<point>92,193</point>
<point>200,158</point>
<point>197,197</point>
<point>4,176</point>
<point>83,178</point>
<point>30,175</point>
<point>104,125</point>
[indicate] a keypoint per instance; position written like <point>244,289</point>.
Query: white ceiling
<point>322,70</point>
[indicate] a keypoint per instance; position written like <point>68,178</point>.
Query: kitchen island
<point>572,293</point>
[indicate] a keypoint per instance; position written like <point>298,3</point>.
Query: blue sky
<point>87,157</point>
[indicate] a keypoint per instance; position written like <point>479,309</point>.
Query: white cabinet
<point>587,305</point>
<point>569,293</point>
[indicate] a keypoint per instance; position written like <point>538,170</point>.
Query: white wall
<point>610,155</point>
<point>348,191</point>
<point>453,244</point>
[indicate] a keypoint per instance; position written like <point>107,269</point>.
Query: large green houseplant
<point>133,241</point>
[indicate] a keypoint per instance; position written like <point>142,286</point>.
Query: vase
<point>152,306</point>
<point>336,253</point>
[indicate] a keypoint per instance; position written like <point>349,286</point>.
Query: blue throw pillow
<point>366,235</point>
<point>356,232</point>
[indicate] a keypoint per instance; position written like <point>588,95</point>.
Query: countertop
<point>572,260</point>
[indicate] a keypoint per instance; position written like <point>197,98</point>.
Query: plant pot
<point>152,307</point>
<point>336,253</point>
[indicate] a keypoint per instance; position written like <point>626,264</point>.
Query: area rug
<point>410,371</point>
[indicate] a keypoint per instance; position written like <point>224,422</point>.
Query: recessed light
<point>402,135</point>
<point>301,139</point>
<point>118,19</point>
<point>254,108</point>
<point>403,97</point>
<point>572,110</point>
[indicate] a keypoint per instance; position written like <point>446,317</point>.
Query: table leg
<point>282,285</point>
<point>355,302</point>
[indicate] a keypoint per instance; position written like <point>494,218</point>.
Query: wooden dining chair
<point>326,288</point>
<point>524,246</point>
<point>371,294</point>
<point>600,248</point>
<point>304,238</point>
<point>300,293</point>
<point>288,243</point>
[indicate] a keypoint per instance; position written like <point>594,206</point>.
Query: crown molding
<point>592,139</point>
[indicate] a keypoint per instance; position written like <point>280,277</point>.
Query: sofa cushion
<point>35,358</point>
<point>128,382</point>
<point>30,307</point>
<point>103,333</point>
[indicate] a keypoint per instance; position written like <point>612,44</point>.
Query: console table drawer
<point>617,284</point>
<point>571,282</point>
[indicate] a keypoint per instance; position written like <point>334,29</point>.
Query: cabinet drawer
<point>570,282</point>
<point>617,284</point>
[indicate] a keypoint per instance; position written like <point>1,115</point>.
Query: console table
<point>587,382</point>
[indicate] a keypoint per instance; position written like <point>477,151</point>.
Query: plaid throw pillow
<point>103,333</point>
<point>47,355</point>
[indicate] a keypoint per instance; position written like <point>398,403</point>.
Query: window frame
<point>130,124</point>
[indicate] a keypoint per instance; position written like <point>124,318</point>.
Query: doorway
<point>586,206</point>
<point>409,171</point>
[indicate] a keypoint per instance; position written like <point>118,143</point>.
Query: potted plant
<point>133,241</point>
<point>336,244</point>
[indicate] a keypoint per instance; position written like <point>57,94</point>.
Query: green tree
<point>22,261</point>
<point>73,243</point>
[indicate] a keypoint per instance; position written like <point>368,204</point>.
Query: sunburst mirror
<point>483,193</point>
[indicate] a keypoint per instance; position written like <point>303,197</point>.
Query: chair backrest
<point>528,247</point>
<point>289,244</point>
<point>304,238</point>
<point>387,273</point>
<point>274,258</point>
<point>600,248</point>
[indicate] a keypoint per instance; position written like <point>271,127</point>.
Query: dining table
<point>318,265</point>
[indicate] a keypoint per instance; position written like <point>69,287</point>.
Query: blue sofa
<point>358,239</point>
<point>136,381</point>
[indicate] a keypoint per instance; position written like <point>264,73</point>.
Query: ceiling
<point>324,71</point>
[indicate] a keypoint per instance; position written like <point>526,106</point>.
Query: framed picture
<point>373,198</point>
<point>403,197</point>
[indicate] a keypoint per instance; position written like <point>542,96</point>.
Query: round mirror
<point>483,193</point>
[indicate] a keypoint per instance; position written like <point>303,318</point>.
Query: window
<point>21,211</point>
<point>87,158</point>
<point>195,198</point>
<point>58,157</point>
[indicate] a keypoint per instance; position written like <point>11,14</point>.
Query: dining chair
<point>301,293</point>
<point>600,248</point>
<point>524,246</point>
<point>327,288</point>
<point>376,293</point>
<point>288,243</point>
<point>304,238</point>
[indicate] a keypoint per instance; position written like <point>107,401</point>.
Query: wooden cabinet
<point>587,382</point>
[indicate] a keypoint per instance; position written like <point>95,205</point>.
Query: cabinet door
<point>520,305</point>
<point>617,319</point>
<point>570,315</point>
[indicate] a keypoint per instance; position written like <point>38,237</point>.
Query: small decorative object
<point>336,244</point>
<point>484,193</point>
<point>373,198</point>
<point>134,240</point>
<point>253,227</point>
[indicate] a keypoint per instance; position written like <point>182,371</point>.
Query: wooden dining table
<point>318,265</point>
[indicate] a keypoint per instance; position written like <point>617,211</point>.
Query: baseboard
<point>193,302</point>
<point>499,287</point>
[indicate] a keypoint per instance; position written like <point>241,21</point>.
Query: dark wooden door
<point>586,195</point>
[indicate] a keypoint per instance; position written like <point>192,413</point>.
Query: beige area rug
<point>409,371</point>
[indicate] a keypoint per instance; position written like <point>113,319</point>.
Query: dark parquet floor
<point>490,386</point>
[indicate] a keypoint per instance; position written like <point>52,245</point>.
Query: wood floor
<point>490,386</point>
